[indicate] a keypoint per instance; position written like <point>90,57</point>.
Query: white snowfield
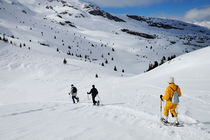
<point>34,82</point>
<point>35,104</point>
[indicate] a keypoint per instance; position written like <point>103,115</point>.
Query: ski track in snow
<point>129,119</point>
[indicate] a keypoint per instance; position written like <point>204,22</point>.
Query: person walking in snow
<point>171,95</point>
<point>73,93</point>
<point>94,93</point>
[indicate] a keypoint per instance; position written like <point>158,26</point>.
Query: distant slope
<point>34,87</point>
<point>84,32</point>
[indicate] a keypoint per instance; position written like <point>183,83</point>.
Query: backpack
<point>74,90</point>
<point>175,98</point>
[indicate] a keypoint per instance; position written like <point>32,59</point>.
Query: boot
<point>176,121</point>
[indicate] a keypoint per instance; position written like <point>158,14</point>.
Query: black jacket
<point>93,92</point>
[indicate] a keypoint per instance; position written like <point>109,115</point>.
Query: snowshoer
<point>73,93</point>
<point>94,93</point>
<point>171,91</point>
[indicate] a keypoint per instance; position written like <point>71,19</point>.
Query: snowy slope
<point>34,82</point>
<point>85,32</point>
<point>35,103</point>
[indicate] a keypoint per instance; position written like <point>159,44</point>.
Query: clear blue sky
<point>174,8</point>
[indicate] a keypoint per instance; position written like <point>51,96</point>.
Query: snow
<point>35,102</point>
<point>34,84</point>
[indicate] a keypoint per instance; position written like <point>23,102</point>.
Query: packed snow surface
<point>35,103</point>
<point>34,82</point>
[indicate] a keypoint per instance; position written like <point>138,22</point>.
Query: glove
<point>161,97</point>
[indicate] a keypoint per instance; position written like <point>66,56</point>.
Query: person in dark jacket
<point>73,93</point>
<point>94,93</point>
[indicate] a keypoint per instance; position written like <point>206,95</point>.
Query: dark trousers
<point>93,99</point>
<point>75,97</point>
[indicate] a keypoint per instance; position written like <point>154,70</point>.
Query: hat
<point>93,86</point>
<point>72,85</point>
<point>171,80</point>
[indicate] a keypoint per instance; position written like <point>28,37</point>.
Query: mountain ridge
<point>84,31</point>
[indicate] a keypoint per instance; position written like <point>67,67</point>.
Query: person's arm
<point>179,91</point>
<point>166,94</point>
<point>89,92</point>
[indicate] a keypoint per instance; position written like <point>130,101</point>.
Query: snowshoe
<point>98,103</point>
<point>164,121</point>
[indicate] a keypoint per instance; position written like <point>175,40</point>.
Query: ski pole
<point>88,97</point>
<point>99,97</point>
<point>161,106</point>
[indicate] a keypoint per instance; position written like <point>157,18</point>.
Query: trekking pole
<point>161,108</point>
<point>99,100</point>
<point>88,97</point>
<point>99,97</point>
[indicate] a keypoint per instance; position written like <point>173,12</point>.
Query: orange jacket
<point>169,92</point>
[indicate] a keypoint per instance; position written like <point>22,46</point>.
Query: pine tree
<point>115,68</point>
<point>96,76</point>
<point>64,61</point>
<point>155,64</point>
<point>106,62</point>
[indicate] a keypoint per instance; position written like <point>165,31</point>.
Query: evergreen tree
<point>115,68</point>
<point>106,62</point>
<point>155,64</point>
<point>64,61</point>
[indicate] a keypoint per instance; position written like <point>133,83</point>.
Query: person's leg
<point>93,98</point>
<point>174,114</point>
<point>73,97</point>
<point>173,110</point>
<point>77,99</point>
<point>166,110</point>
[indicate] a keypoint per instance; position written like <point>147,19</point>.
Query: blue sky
<point>173,8</point>
<point>194,10</point>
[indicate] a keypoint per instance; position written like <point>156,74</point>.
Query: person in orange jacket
<point>168,95</point>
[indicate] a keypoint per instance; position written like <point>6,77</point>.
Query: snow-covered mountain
<point>35,37</point>
<point>83,31</point>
